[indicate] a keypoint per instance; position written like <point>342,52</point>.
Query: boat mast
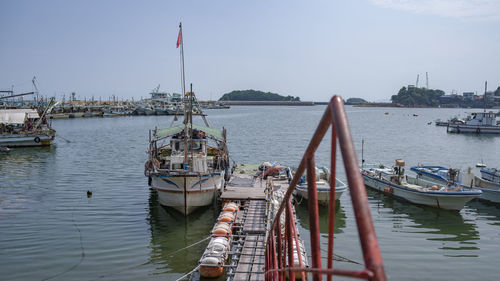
<point>180,42</point>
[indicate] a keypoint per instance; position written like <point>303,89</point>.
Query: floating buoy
<point>214,257</point>
<point>221,228</point>
<point>89,193</point>
<point>226,217</point>
<point>231,207</point>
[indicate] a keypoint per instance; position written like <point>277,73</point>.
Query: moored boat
<point>322,186</point>
<point>24,127</point>
<point>394,182</point>
<point>477,123</point>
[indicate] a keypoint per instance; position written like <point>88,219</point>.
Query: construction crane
<point>416,84</point>
<point>426,80</point>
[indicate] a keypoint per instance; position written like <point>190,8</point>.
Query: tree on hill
<point>413,96</point>
<point>497,91</point>
<point>253,95</point>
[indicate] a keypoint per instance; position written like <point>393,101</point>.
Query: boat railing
<point>280,251</point>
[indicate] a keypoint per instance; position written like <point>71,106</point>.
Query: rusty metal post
<point>296,238</point>
<point>280,251</point>
<point>331,200</point>
<point>313,215</point>
<point>288,231</point>
<point>367,237</point>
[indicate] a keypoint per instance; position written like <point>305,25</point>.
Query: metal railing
<point>280,246</point>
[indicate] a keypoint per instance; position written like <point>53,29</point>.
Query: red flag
<point>179,38</point>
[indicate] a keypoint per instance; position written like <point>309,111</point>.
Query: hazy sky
<point>310,49</point>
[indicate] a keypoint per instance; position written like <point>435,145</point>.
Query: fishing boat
<point>392,181</point>
<point>24,127</point>
<point>477,123</point>
<point>322,186</point>
<point>188,163</point>
<point>437,173</point>
<point>490,190</point>
<point>491,174</point>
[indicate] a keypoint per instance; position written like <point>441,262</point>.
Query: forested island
<point>417,97</point>
<point>253,95</point>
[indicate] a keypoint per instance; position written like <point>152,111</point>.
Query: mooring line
<point>186,275</point>
<point>150,261</point>
<point>82,256</point>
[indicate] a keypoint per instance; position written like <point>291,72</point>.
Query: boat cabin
<point>482,118</point>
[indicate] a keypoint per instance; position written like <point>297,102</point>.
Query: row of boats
<point>435,186</point>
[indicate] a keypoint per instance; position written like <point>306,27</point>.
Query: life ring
<point>37,139</point>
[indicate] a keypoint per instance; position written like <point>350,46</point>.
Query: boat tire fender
<point>478,131</point>
<point>149,181</point>
<point>37,139</point>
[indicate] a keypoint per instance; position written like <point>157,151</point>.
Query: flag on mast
<point>179,37</point>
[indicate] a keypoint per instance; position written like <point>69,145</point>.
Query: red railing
<point>279,248</point>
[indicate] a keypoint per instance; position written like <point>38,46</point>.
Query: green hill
<point>253,95</point>
<point>413,96</point>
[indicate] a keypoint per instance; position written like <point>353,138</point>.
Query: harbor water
<point>51,230</point>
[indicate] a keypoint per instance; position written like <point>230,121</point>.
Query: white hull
<point>442,200</point>
<point>461,128</point>
<point>187,193</point>
<point>25,140</point>
<point>491,191</point>
<point>323,192</point>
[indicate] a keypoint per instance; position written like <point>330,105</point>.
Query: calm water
<point>50,230</point>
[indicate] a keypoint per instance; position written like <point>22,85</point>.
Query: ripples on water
<point>50,230</point>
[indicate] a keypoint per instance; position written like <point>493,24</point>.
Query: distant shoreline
<point>258,103</point>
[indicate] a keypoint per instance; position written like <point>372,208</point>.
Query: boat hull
<point>186,193</point>
<point>491,190</point>
<point>323,193</point>
<point>25,140</point>
<point>472,129</point>
<point>442,200</point>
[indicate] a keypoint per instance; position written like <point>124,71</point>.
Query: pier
<point>265,243</point>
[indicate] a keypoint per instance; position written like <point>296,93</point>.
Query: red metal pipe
<point>363,274</point>
<point>280,251</point>
<point>331,200</point>
<point>288,229</point>
<point>296,237</point>
<point>368,239</point>
<point>312,201</point>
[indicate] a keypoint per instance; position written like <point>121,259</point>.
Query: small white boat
<point>393,181</point>
<point>322,186</point>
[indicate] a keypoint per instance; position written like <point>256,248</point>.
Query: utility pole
<point>416,84</point>
<point>426,80</point>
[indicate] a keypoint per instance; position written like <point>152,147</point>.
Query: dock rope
<point>150,261</point>
<point>187,274</point>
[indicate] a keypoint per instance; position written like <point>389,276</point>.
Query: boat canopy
<point>162,133</point>
<point>17,116</point>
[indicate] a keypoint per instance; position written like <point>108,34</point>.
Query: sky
<point>310,49</point>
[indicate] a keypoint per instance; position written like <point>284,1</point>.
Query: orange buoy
<point>231,207</point>
<point>222,228</point>
<point>226,217</point>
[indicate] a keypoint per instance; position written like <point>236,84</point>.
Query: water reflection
<point>302,213</point>
<point>487,211</point>
<point>434,224</point>
<point>171,231</point>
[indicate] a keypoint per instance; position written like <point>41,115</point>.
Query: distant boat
<point>393,182</point>
<point>322,186</point>
<point>25,127</point>
<point>477,123</point>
